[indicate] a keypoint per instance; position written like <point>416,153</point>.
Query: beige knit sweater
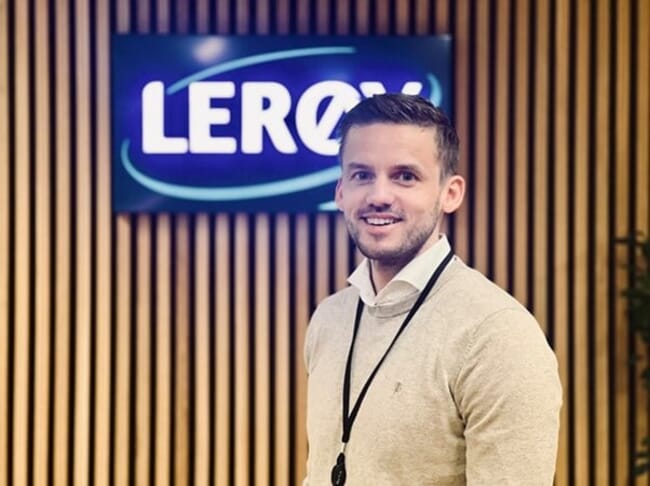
<point>468,395</point>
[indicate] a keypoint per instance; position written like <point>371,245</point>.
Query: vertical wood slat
<point>323,265</point>
<point>301,299</point>
<point>479,183</point>
<point>363,23</point>
<point>422,14</point>
<point>263,18</point>
<point>541,157</point>
<point>202,16</point>
<point>462,121</point>
<point>501,139</point>
<point>222,360</point>
<point>202,350</point>
<point>82,358</point>
<point>201,377</point>
<point>642,164</point>
<point>42,238</point>
<point>282,351</point>
<point>22,246</point>
<point>123,16</point>
<point>561,227</point>
<point>442,16</point>
<point>223,12</point>
<point>241,351</point>
<point>343,25</point>
<point>602,233</point>
<point>241,17</point>
<point>182,351</point>
<point>61,396</point>
<point>181,16</point>
<point>103,289</point>
<point>142,359</point>
<point>122,350</point>
<point>262,427</point>
<point>142,17</point>
<point>163,353</point>
<point>643,118</point>
<point>341,251</point>
<point>382,17</point>
<point>579,250</point>
<point>623,386</point>
<point>162,17</point>
<point>402,20</point>
<point>5,209</point>
<point>123,360</point>
<point>521,140</point>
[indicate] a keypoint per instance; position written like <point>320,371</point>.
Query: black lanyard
<point>338,471</point>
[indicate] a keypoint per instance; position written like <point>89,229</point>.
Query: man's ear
<point>338,195</point>
<point>453,191</point>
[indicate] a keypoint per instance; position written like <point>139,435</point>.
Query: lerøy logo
<point>252,126</point>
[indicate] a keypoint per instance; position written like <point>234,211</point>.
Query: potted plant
<point>638,311</point>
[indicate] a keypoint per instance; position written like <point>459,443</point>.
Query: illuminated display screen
<point>211,123</point>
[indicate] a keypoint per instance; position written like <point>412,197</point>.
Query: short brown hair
<point>405,109</point>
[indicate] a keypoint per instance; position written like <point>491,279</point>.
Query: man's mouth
<point>376,219</point>
<point>380,221</point>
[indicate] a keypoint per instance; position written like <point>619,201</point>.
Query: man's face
<point>390,190</point>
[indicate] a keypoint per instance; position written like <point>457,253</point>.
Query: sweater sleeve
<point>509,396</point>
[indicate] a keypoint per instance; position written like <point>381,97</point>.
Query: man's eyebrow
<point>413,167</point>
<point>356,166</point>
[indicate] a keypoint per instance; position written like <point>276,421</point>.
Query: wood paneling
<point>599,256</point>
<point>282,351</point>
<point>122,360</point>
<point>142,359</point>
<point>181,261</point>
<point>5,240</point>
<point>168,348</point>
<point>262,338</point>
<point>162,361</point>
<point>62,137</point>
<point>560,244</point>
<point>82,224</point>
<point>579,163</point>
<point>43,257</point>
<point>103,253</point>
<point>22,283</point>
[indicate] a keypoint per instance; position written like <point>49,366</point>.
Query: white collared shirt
<point>409,280</point>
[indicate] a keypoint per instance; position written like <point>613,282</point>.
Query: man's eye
<point>406,177</point>
<point>360,175</point>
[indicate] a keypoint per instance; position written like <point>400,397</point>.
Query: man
<point>421,371</point>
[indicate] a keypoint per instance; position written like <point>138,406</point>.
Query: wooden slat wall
<point>168,348</point>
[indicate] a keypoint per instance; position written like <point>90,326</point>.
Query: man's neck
<point>381,273</point>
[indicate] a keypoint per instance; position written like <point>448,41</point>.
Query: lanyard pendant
<point>338,471</point>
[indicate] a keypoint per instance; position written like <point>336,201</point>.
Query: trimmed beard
<point>402,255</point>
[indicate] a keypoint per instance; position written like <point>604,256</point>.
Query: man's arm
<point>509,395</point>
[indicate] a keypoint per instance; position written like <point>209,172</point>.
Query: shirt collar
<point>409,280</point>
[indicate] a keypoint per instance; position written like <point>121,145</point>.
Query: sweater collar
<point>402,291</point>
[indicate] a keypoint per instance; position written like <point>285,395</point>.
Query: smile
<point>375,221</point>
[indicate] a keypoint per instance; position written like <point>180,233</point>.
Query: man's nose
<point>380,193</point>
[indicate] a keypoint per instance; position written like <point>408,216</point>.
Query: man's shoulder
<point>468,293</point>
<point>340,301</point>
<point>329,318</point>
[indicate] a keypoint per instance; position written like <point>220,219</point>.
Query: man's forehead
<point>357,128</point>
<point>384,137</point>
